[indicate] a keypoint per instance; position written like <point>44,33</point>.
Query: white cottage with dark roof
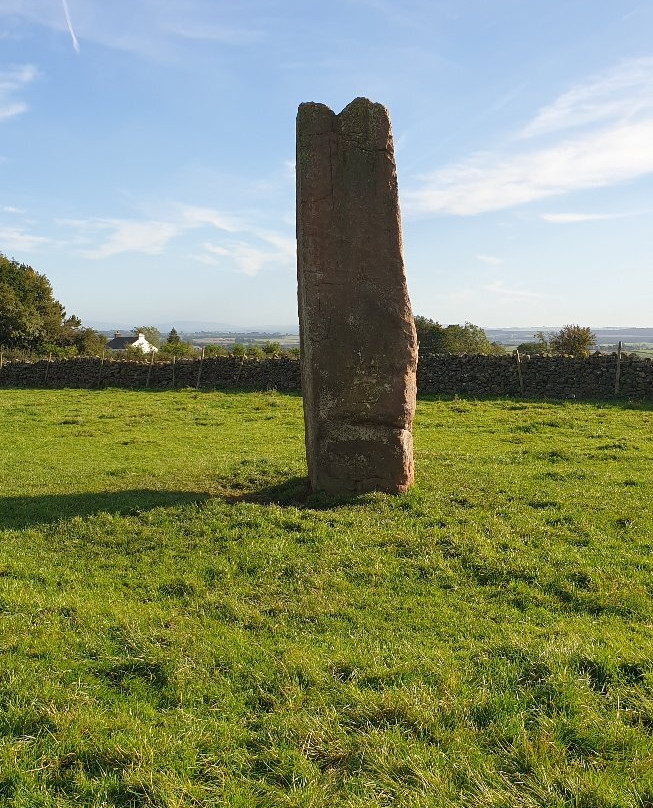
<point>119,343</point>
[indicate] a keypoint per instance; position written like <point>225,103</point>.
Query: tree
<point>430,335</point>
<point>173,337</point>
<point>214,350</point>
<point>237,349</point>
<point>32,320</point>
<point>271,348</point>
<point>531,348</point>
<point>151,334</point>
<point>453,339</point>
<point>254,352</point>
<point>89,342</point>
<point>539,345</point>
<point>572,340</point>
<point>30,317</point>
<point>173,346</point>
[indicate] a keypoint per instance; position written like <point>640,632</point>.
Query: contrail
<point>64,3</point>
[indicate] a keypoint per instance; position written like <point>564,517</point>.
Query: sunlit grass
<point>181,625</point>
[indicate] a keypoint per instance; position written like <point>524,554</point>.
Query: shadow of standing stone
<point>357,335</point>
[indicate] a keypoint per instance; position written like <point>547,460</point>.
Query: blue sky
<point>147,152</point>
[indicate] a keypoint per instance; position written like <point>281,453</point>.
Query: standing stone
<point>357,335</point>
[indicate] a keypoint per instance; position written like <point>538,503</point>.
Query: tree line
<point>32,320</point>
<point>570,340</point>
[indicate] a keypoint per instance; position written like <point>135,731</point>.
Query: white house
<point>119,343</point>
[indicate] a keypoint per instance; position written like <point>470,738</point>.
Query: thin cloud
<point>215,33</point>
<point>618,94</point>
<point>497,287</point>
<point>14,239</point>
<point>615,113</point>
<point>488,183</point>
<point>12,81</point>
<point>249,258</point>
<point>285,244</point>
<point>571,218</point>
<point>69,23</point>
<point>255,248</point>
<point>490,259</point>
<point>156,30</point>
<point>12,209</point>
<point>149,237</point>
<point>194,216</point>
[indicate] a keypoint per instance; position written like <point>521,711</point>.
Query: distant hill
<point>196,327</point>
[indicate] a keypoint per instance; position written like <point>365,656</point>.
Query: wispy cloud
<point>286,246</point>
<point>490,259</point>
<point>617,152</point>
<point>16,239</point>
<point>571,218</point>
<point>621,93</point>
<point>253,249</point>
<point>12,81</point>
<point>497,287</point>
<point>251,256</point>
<point>226,35</point>
<point>150,29</point>
<point>193,216</point>
<point>69,23</point>
<point>12,209</point>
<point>247,258</point>
<point>149,237</point>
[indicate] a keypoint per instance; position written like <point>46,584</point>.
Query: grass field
<point>181,626</point>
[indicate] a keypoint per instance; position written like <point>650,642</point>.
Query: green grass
<point>181,626</point>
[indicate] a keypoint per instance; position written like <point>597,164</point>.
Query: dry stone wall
<point>215,373</point>
<point>474,376</point>
<point>541,376</point>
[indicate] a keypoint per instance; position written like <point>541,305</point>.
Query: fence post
<point>99,375</point>
<point>240,369</point>
<point>149,370</point>
<point>47,368</point>
<point>617,375</point>
<point>1,356</point>
<point>519,373</point>
<point>174,361</point>
<point>199,372</point>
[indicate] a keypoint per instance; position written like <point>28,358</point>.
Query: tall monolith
<point>357,336</point>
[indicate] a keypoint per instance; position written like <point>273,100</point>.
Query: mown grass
<point>180,625</point>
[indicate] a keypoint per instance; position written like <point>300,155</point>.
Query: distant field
<point>181,626</point>
<point>286,341</point>
<point>644,351</point>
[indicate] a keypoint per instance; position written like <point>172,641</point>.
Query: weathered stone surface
<point>358,343</point>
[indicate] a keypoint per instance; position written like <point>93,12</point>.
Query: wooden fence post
<point>174,361</point>
<point>617,375</point>
<point>519,373</point>
<point>240,370</point>
<point>149,370</point>
<point>199,372</point>
<point>99,375</point>
<point>47,368</point>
